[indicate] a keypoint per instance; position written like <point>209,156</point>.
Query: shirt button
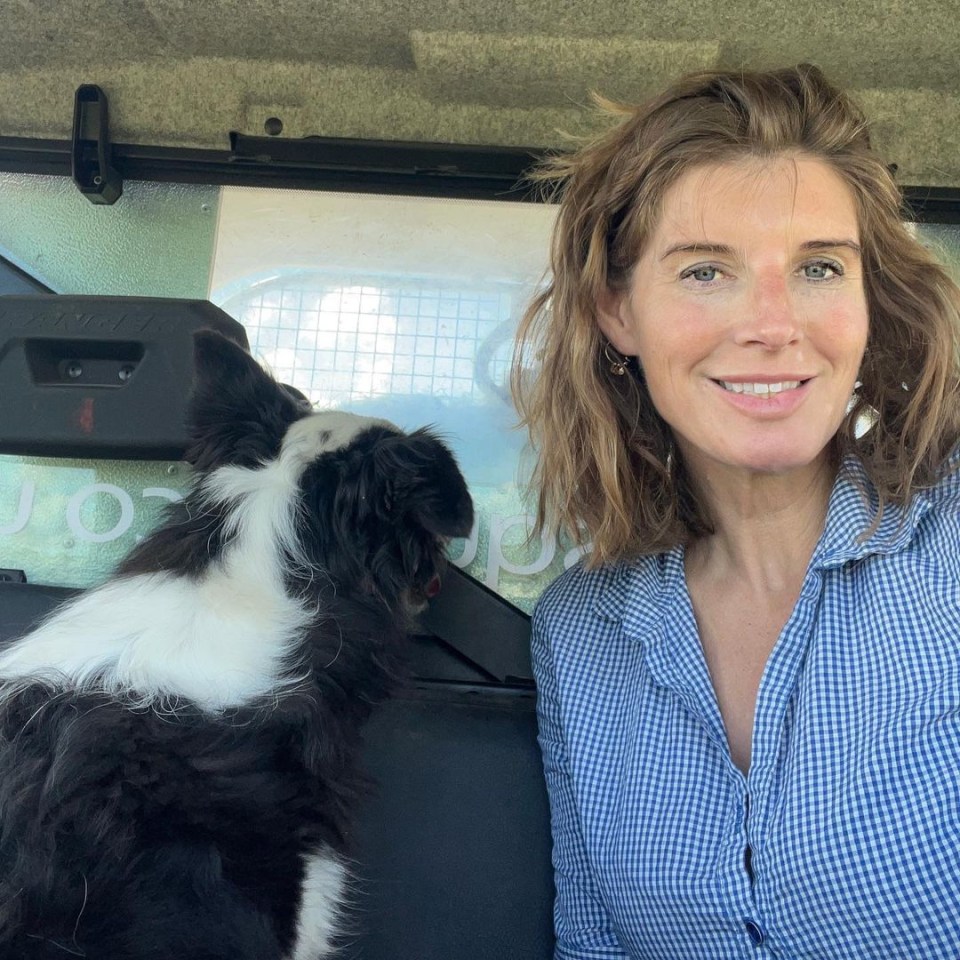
<point>754,932</point>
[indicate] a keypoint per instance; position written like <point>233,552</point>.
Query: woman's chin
<point>768,460</point>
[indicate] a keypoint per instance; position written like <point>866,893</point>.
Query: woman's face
<point>747,313</point>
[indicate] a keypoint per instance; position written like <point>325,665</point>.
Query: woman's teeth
<point>760,389</point>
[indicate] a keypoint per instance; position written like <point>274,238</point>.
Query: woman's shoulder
<point>583,591</point>
<point>928,520</point>
<point>940,523</point>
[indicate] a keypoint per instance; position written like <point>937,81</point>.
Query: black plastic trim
<point>466,614</point>
<point>89,376</point>
<point>318,163</point>
<point>90,163</point>
<point>933,204</point>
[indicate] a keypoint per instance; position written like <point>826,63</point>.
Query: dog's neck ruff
<point>224,639</point>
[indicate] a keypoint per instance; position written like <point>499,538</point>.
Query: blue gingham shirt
<point>851,809</point>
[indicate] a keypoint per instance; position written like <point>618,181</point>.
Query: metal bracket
<point>97,180</point>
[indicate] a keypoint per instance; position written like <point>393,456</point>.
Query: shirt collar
<point>851,512</point>
<point>641,593</point>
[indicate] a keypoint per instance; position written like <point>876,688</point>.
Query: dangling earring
<point>618,363</point>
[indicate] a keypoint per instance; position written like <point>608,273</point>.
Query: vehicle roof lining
<point>492,73</point>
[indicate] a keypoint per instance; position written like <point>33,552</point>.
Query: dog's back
<point>177,747</point>
<point>127,833</point>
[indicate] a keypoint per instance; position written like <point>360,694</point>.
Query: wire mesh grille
<point>342,340</point>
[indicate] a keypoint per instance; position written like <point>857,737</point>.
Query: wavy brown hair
<point>606,469</point>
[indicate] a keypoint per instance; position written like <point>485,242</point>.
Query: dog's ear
<point>238,413</point>
<point>426,483</point>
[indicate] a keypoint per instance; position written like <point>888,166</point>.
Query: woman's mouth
<point>759,389</point>
<point>766,398</point>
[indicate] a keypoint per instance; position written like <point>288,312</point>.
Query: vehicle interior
<point>348,182</point>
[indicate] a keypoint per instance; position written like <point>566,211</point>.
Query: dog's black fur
<point>146,828</point>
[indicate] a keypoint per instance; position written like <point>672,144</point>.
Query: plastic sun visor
<point>100,377</point>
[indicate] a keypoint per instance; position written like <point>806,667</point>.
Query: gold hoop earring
<point>618,363</point>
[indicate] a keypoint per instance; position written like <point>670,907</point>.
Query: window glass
<point>403,308</point>
<point>400,307</point>
<point>69,522</point>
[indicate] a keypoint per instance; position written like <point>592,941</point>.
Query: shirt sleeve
<point>582,925</point>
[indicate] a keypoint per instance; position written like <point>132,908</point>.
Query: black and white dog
<point>178,746</point>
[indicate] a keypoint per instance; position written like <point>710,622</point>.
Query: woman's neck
<point>765,525</point>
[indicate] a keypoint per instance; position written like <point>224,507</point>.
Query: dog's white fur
<point>321,902</point>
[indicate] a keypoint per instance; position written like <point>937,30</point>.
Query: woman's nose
<point>772,319</point>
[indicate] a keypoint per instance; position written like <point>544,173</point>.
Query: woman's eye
<point>702,274</point>
<point>822,270</point>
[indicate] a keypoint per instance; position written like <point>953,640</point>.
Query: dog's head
<point>347,499</point>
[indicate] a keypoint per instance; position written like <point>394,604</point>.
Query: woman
<point>747,407</point>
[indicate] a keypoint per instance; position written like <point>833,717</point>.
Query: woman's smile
<point>766,397</point>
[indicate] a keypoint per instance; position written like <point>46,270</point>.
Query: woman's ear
<point>615,319</point>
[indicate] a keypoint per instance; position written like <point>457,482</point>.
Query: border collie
<point>178,746</point>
